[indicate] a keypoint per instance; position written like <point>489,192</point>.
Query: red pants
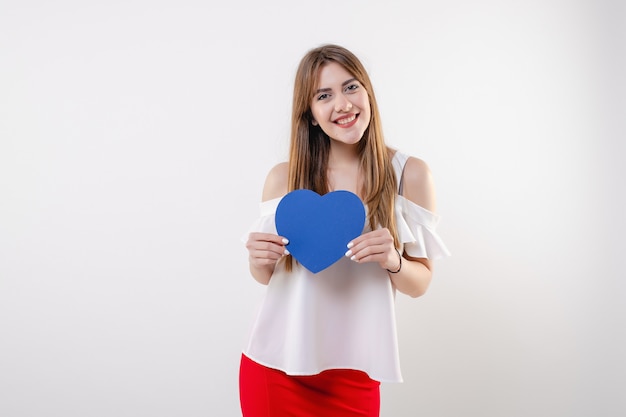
<point>267,392</point>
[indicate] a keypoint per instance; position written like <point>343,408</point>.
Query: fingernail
<point>286,252</point>
<point>353,258</point>
<point>285,241</point>
<point>350,245</point>
<point>349,253</point>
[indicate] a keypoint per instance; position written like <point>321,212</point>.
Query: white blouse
<point>344,316</point>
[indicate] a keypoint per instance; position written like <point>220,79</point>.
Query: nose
<point>342,104</point>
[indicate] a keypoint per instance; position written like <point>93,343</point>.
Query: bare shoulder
<point>276,182</point>
<point>419,186</point>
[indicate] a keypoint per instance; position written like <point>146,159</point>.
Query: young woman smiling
<point>322,343</point>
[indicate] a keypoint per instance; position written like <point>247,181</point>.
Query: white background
<point>134,140</point>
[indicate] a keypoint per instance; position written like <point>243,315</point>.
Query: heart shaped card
<point>319,227</point>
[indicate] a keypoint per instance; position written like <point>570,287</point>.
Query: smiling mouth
<point>346,120</point>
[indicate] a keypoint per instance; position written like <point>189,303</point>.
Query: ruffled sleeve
<point>416,230</point>
<point>266,222</point>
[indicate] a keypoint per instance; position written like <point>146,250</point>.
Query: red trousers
<point>267,392</point>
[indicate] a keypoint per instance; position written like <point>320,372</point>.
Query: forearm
<point>262,274</point>
<point>413,278</point>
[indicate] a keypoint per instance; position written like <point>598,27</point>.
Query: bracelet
<point>399,266</point>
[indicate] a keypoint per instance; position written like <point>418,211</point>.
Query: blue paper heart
<point>319,227</point>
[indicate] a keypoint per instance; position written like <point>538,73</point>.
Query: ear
<point>314,122</point>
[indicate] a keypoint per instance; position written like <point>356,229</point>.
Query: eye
<point>323,96</point>
<point>351,87</point>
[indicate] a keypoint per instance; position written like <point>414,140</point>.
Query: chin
<point>348,141</point>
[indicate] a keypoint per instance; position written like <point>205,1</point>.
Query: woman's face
<point>340,105</point>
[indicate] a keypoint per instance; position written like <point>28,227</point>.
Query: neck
<point>344,168</point>
<point>342,154</point>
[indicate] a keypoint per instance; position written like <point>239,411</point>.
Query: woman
<point>323,342</point>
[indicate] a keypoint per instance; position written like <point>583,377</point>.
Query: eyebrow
<point>324,90</point>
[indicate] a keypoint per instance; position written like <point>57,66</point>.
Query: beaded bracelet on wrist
<point>399,266</point>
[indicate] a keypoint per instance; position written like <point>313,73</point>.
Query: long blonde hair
<point>310,146</point>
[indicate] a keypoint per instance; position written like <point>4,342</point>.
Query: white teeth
<point>346,120</point>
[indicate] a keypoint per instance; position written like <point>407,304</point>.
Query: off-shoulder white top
<point>344,316</point>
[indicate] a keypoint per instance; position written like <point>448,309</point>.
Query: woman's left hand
<point>375,246</point>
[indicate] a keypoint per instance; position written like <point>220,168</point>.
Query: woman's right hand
<point>266,249</point>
